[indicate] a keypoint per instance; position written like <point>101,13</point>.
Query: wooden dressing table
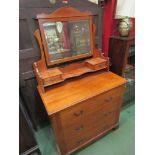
<point>82,98</point>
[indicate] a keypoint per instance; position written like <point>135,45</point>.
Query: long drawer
<point>80,111</point>
<point>77,134</point>
<point>95,118</point>
<point>90,118</point>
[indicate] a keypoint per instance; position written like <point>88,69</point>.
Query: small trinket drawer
<point>83,110</point>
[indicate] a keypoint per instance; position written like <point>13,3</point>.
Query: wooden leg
<point>116,127</point>
<point>38,151</point>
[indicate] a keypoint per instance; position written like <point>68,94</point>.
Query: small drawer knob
<point>109,99</point>
<point>78,113</point>
<point>80,141</point>
<point>79,128</point>
<point>107,113</point>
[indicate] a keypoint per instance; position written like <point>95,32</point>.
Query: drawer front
<point>96,120</point>
<point>80,133</point>
<point>87,108</point>
<point>89,118</point>
<point>52,80</point>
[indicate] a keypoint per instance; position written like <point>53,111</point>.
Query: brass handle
<point>108,113</point>
<point>78,113</point>
<point>79,141</point>
<point>79,128</point>
<point>109,99</point>
<point>105,114</point>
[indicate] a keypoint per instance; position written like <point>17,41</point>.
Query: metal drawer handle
<point>78,113</point>
<point>105,114</point>
<point>109,99</point>
<point>80,141</point>
<point>79,128</point>
<point>108,113</point>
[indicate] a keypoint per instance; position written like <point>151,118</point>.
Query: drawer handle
<point>105,114</point>
<point>109,99</point>
<point>108,113</point>
<point>79,128</point>
<point>80,141</point>
<point>78,113</point>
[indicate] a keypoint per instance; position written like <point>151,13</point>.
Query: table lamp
<point>125,10</point>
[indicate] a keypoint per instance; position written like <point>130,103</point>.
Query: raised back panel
<point>64,12</point>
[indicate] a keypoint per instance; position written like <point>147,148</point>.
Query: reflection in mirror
<point>67,39</point>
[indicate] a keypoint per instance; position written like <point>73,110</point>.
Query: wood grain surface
<point>74,91</point>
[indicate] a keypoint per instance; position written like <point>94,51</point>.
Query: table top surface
<point>123,38</point>
<point>73,91</point>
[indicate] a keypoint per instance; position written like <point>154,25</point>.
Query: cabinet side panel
<point>119,104</point>
<point>117,54</point>
<point>59,135</point>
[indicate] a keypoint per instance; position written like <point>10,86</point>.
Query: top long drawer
<point>85,108</point>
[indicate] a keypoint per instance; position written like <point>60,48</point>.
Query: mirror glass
<point>67,39</point>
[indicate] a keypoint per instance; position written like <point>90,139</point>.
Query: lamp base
<point>124,32</point>
<point>124,27</point>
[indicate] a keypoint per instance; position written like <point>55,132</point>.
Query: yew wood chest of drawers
<point>83,109</point>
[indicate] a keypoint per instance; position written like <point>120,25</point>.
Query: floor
<point>118,142</point>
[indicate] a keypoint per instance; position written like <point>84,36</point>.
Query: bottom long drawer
<point>76,136</point>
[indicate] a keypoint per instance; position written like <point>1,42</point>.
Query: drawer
<point>89,107</point>
<point>90,121</point>
<point>107,118</point>
<point>80,133</point>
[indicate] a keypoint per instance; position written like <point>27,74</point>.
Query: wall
<point>110,24</point>
<point>29,51</point>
